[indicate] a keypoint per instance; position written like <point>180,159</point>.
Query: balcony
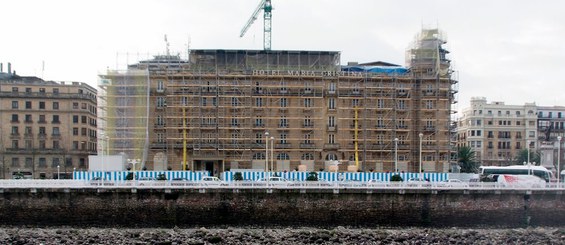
<point>283,146</point>
<point>331,146</point>
<point>307,146</point>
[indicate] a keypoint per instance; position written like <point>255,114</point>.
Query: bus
<point>538,171</point>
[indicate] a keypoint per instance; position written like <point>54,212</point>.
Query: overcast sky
<point>505,50</point>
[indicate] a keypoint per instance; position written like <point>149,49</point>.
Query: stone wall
<point>321,208</point>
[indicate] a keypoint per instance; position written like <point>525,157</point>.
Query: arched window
<point>307,156</point>
<point>259,155</point>
<point>283,156</point>
<point>331,157</point>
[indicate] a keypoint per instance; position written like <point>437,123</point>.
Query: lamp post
<point>558,160</point>
<point>133,162</point>
<point>266,151</point>
<point>272,155</point>
<point>58,172</point>
<point>528,143</point>
<point>421,135</point>
<point>395,155</point>
<point>107,144</point>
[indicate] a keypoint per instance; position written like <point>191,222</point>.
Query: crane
<point>266,6</point>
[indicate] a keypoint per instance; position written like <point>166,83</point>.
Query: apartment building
<point>233,109</point>
<point>497,132</point>
<point>48,128</point>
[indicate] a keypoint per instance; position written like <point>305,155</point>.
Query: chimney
<point>9,68</point>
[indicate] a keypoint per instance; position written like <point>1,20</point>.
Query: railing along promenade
<point>290,185</point>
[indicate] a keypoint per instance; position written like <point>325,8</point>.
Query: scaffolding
<point>211,111</point>
<point>124,113</point>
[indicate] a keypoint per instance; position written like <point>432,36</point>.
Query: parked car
<point>212,181</point>
<point>418,182</point>
<point>274,181</point>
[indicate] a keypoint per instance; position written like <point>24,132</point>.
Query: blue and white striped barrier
<point>333,176</point>
<point>121,175</point>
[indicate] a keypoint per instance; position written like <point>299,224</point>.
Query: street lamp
<point>528,143</point>
<point>266,151</point>
<point>272,155</point>
<point>58,172</point>
<point>107,144</point>
<point>133,162</point>
<point>421,135</point>
<point>395,155</point>
<point>558,160</point>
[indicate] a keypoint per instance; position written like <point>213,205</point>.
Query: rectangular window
<point>161,102</point>
<point>41,130</point>
<point>83,119</point>
<point>15,89</point>
<point>28,104</point>
<point>308,122</point>
<point>28,118</point>
<point>332,87</point>
<point>258,102</point>
<point>56,119</point>
<point>42,162</point>
<point>284,102</point>
<point>234,101</point>
<point>42,105</point>
<point>380,103</point>
<point>28,131</point>
<point>160,86</point>
<point>15,118</point>
<point>283,122</point>
<point>55,105</point>
<point>308,102</point>
<point>15,105</point>
<point>331,103</point>
<point>259,122</point>
<point>56,90</point>
<point>83,131</point>
<point>29,162</point>
<point>307,139</point>
<point>56,144</point>
<point>331,121</point>
<point>42,119</point>
<point>15,130</point>
<point>283,138</point>
<point>331,138</point>
<point>15,144</point>
<point>56,131</point>
<point>75,105</point>
<point>259,138</point>
<point>355,102</point>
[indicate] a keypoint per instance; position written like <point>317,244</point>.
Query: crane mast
<point>267,8</point>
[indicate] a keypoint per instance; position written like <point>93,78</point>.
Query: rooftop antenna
<point>167,45</point>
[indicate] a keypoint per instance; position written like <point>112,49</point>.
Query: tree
<point>237,176</point>
<point>467,160</point>
<point>312,176</point>
<point>396,177</point>
<point>523,157</point>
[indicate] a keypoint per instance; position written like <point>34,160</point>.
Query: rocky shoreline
<point>338,235</point>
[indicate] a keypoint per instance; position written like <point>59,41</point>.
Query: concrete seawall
<point>191,207</point>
